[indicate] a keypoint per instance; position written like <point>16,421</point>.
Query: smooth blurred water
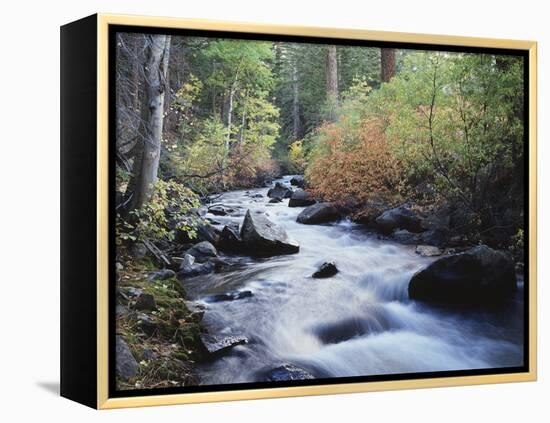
<point>359,322</point>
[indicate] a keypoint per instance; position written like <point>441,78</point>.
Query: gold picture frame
<point>103,400</point>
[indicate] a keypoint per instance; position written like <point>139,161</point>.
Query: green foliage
<point>170,209</point>
<point>297,157</point>
<point>449,116</point>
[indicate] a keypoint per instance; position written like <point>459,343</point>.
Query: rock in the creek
<point>275,200</point>
<point>262,237</point>
<point>478,276</point>
<point>428,251</point>
<point>202,251</point>
<point>219,210</point>
<point>230,240</point>
<point>189,268</point>
<point>301,198</point>
<point>145,302</point>
<point>436,236</point>
<point>161,275</point>
<point>405,237</point>
<point>257,195</point>
<point>214,346</point>
<point>326,270</point>
<point>368,212</point>
<point>318,213</point>
<point>207,232</point>
<point>279,191</point>
<point>229,296</point>
<point>343,330</point>
<point>401,217</point>
<point>297,181</point>
<point>126,364</point>
<point>287,372</point>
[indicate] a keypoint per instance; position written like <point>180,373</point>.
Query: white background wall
<point>29,154</point>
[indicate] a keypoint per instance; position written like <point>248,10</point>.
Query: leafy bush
<point>351,165</point>
<point>170,209</point>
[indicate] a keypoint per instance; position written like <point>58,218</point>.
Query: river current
<point>359,322</point>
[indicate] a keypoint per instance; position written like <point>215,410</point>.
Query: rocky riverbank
<point>161,336</point>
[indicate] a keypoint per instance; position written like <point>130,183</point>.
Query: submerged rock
<point>275,200</point>
<point>219,210</point>
<point>279,191</point>
<point>318,213</point>
<point>343,330</point>
<point>229,296</point>
<point>262,237</point>
<point>326,270</point>
<point>214,346</point>
<point>202,251</point>
<point>287,372</point>
<point>400,217</point>
<point>301,198</point>
<point>478,276</point>
<point>126,364</point>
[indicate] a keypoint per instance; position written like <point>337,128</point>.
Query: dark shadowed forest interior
<point>290,211</point>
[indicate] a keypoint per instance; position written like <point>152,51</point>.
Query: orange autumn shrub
<point>352,164</point>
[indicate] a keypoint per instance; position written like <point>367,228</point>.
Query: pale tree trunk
<point>387,61</point>
<point>332,80</point>
<point>135,75</point>
<point>295,104</point>
<point>152,114</point>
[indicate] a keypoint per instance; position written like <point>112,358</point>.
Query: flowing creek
<point>359,322</point>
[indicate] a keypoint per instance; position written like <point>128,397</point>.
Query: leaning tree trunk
<point>332,80</point>
<point>147,158</point>
<point>387,58</point>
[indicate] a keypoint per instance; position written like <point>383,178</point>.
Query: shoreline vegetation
<point>420,148</point>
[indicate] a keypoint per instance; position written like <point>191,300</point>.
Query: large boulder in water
<point>478,276</point>
<point>202,251</point>
<point>279,191</point>
<point>318,213</point>
<point>401,217</point>
<point>262,237</point>
<point>301,198</point>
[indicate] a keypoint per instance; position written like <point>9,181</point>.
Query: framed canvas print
<point>253,211</point>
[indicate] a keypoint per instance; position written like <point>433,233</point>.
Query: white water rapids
<point>357,323</point>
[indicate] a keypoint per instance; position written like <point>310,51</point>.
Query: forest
<point>416,147</point>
